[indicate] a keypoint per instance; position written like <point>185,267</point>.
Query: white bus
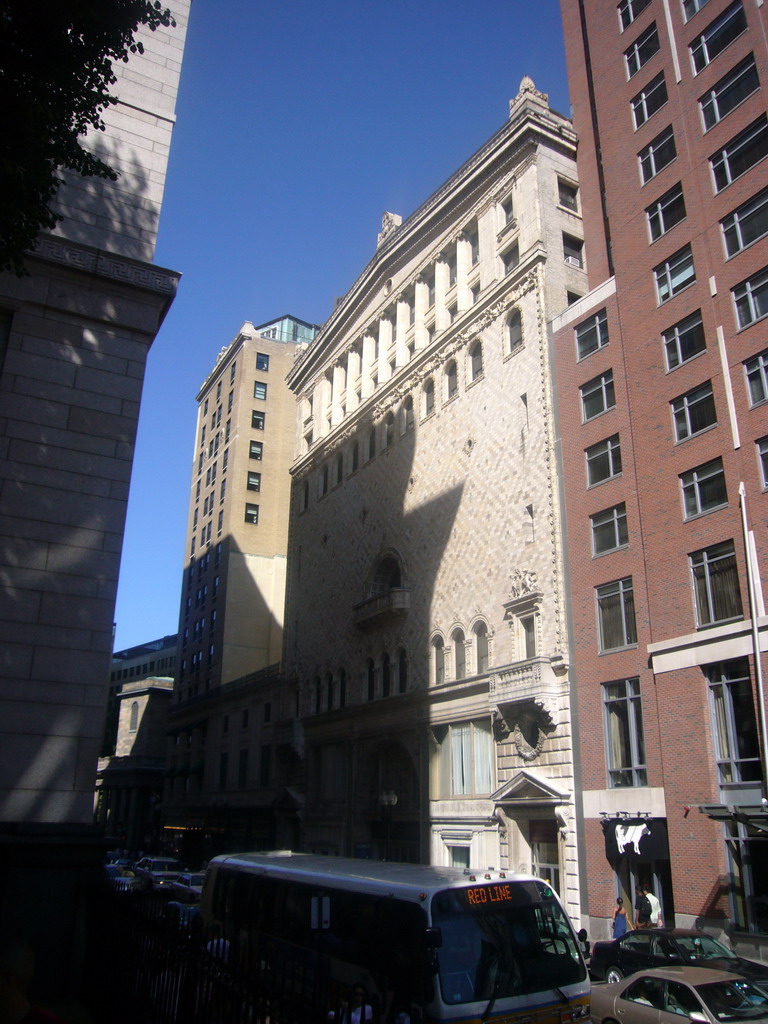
<point>427,944</point>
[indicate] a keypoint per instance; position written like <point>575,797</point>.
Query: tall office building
<point>426,649</point>
<point>662,374</point>
<point>233,587</point>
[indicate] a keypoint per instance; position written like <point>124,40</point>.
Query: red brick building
<point>662,376</point>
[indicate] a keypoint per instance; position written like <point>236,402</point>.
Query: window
<point>481,647</point>
<point>508,209</point>
<point>262,361</point>
<point>474,246</point>
<point>255,450</point>
<point>603,460</point>
<point>476,361</point>
<point>567,194</point>
<point>716,584</point>
<point>260,390</point>
<point>690,7</point>
<point>459,654</point>
<point>733,719</point>
<point>660,152</point>
<point>624,734</point>
<point>429,397</point>
<point>684,341</point>
<point>511,258</point>
<point>451,379</point>
<point>528,628</point>
<point>726,94</point>
<point>257,420</point>
<point>650,99</point>
<point>514,331</point>
<point>629,10</point>
<point>438,659</point>
<point>762,454</point>
<point>573,250</point>
<point>355,461</point>
<point>694,412</point>
<point>450,262</point>
<point>704,489</point>
<point>389,430</point>
<point>465,758</point>
<point>616,615</point>
<point>740,154</point>
<point>746,224</point>
<point>370,679</point>
<point>372,443</point>
<point>597,396</point>
<point>641,51</point>
<point>402,670</point>
<point>254,481</point>
<point>666,212</point>
<point>674,274</point>
<point>407,414</point>
<point>134,722</point>
<point>592,334</point>
<point>751,299</point>
<point>757,378</point>
<point>230,401</point>
<point>714,39</point>
<point>609,529</point>
<point>251,513</point>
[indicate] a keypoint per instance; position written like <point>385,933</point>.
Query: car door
<point>641,1001</point>
<point>635,952</point>
<point>680,1001</point>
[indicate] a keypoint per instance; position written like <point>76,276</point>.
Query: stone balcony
<point>374,610</point>
<point>540,681</point>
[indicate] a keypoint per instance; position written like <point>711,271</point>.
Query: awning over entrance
<point>753,815</point>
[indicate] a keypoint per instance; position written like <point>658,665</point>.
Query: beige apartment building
<point>233,591</point>
<point>426,643</point>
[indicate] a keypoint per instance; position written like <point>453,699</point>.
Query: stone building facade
<point>426,646</point>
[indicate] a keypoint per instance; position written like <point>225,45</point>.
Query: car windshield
<point>702,947</point>
<point>195,879</point>
<point>734,1000</point>
<point>166,865</point>
<point>502,941</point>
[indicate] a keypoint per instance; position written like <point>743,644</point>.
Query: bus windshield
<point>503,940</point>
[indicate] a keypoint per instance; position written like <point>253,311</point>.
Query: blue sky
<point>299,123</point>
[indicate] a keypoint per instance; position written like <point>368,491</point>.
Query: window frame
<point>649,156</point>
<point>755,208</point>
<point>609,447</point>
<point>722,162</point>
<point>473,775</point>
<point>623,707</point>
<point>673,339</point>
<point>258,419</point>
<point>734,724</point>
<point>710,102</point>
<point>251,514</point>
<point>689,407</point>
<point>697,492</point>
<point>610,522</point>
<point>617,594</point>
<point>256,450</point>
<point>597,323</point>
<point>642,50</point>
<point>751,297</point>
<point>260,390</point>
<point>692,7</point>
<point>601,387</point>
<point>704,604</point>
<point>676,273</point>
<point>717,36</point>
<point>651,98</point>
<point>262,362</point>
<point>660,213</point>
<point>253,481</point>
<point>629,11</point>
<point>756,369</point>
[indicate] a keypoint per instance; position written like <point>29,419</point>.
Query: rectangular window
<point>624,734</point>
<point>597,396</point>
<point>609,529</point>
<point>629,10</point>
<point>511,258</point>
<point>704,489</point>
<point>262,361</point>
<point>466,759</point>
<point>716,584</point>
<point>660,152</point>
<point>573,250</point>
<point>674,274</point>
<point>257,420</point>
<point>694,412</point>
<point>716,36</point>
<point>254,481</point>
<point>684,341</point>
<point>666,212</point>
<point>567,195</point>
<point>746,224</point>
<point>260,390</point>
<point>251,513</point>
<point>641,51</point>
<point>603,460</point>
<point>762,455</point>
<point>255,450</point>
<point>690,7</point>
<point>650,99</point>
<point>751,299</point>
<point>728,93</point>
<point>616,615</point>
<point>740,154</point>
<point>757,378</point>
<point>592,334</point>
<point>734,724</point>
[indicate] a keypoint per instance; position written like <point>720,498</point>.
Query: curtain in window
<point>724,582</point>
<point>483,744</point>
<point>722,736</point>
<point>460,758</point>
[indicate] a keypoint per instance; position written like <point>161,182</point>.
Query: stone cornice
<point>108,265</point>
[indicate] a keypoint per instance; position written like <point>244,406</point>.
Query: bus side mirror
<point>433,938</point>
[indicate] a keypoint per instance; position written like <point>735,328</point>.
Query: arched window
<point>339,467</point>
<point>355,455</point>
<point>389,429</point>
<point>514,331</point>
<point>305,495</point>
<point>324,479</point>
<point>371,680</point>
<point>438,654</point>
<point>476,360</point>
<point>451,379</point>
<point>408,414</point>
<point>329,695</point>
<point>481,647</point>
<point>402,670</point>
<point>372,443</point>
<point>429,397</point>
<point>459,654</point>
<point>134,716</point>
<point>386,576</point>
<point>386,675</point>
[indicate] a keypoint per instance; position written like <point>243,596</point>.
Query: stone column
<point>421,304</point>
<point>369,357</point>
<point>354,362</point>
<point>402,324</point>
<point>441,290</point>
<point>338,387</point>
<point>386,331</point>
<point>463,267</point>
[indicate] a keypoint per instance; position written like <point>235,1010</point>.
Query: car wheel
<point>613,974</point>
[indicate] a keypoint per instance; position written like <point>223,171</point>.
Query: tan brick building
<point>661,378</point>
<point>426,648</point>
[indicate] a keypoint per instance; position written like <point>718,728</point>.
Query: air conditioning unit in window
<point>574,261</point>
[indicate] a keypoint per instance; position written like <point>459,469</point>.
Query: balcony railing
<point>396,601</point>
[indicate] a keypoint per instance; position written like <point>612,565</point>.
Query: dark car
<point>662,947</point>
<point>679,995</point>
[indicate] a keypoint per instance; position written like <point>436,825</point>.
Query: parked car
<point>122,879</point>
<point>188,888</point>
<point>662,947</point>
<point>672,995</point>
<point>158,873</point>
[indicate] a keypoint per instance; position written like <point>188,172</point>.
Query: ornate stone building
<point>426,645</point>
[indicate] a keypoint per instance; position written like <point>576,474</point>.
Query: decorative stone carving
<point>390,222</point>
<point>524,581</point>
